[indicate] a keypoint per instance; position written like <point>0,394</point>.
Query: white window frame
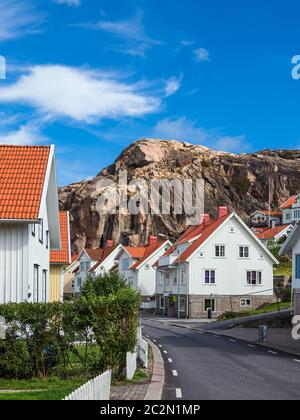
<point>124,260</point>
<point>183,276</point>
<point>258,272</point>
<point>41,231</point>
<point>220,247</point>
<point>79,283</point>
<point>239,252</point>
<point>44,285</point>
<point>245,305</point>
<point>36,281</point>
<point>210,271</point>
<point>82,266</point>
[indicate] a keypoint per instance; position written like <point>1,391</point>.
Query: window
<point>210,304</point>
<point>125,263</point>
<point>183,276</point>
<point>162,303</point>
<point>254,278</point>
<point>245,303</point>
<point>130,281</point>
<point>79,282</point>
<point>297,267</point>
<point>220,251</point>
<point>288,216</point>
<point>36,283</point>
<point>47,239</point>
<point>175,279</point>
<point>88,265</point>
<point>182,306</point>
<point>82,265</point>
<point>33,229</point>
<point>210,277</point>
<point>244,252</point>
<point>297,214</point>
<point>44,286</point>
<point>41,231</point>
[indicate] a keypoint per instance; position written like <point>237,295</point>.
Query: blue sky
<point>92,76</point>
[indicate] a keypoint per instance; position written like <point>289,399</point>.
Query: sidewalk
<point>278,338</point>
<point>147,389</point>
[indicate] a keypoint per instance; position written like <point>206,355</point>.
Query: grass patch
<point>263,310</point>
<point>34,389</point>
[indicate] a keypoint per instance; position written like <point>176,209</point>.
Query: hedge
<point>42,338</point>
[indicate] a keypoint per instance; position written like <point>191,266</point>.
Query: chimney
<point>109,244</point>
<point>223,212</point>
<point>153,240</point>
<point>205,218</point>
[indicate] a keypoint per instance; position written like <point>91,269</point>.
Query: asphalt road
<point>205,366</point>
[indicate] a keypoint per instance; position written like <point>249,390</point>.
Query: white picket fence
<point>142,348</point>
<point>130,365</point>
<point>97,389</point>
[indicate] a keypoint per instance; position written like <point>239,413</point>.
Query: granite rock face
<point>244,183</point>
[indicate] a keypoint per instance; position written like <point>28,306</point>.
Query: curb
<point>155,389</point>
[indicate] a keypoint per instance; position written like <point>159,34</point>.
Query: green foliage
<point>41,338</point>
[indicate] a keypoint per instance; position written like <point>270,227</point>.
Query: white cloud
<point>201,54</point>
<point>131,32</point>
<point>237,144</point>
<point>18,18</point>
<point>84,96</point>
<point>181,129</point>
<point>172,86</point>
<point>69,2</point>
<point>184,129</point>
<point>26,135</point>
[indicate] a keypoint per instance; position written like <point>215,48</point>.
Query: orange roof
<point>105,253</point>
<point>271,213</point>
<point>74,257</point>
<point>95,254</point>
<point>205,230</point>
<point>290,202</point>
<point>22,176</point>
<point>272,233</point>
<point>148,251</point>
<point>63,255</point>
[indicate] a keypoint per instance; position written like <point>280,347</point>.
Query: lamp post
<point>178,274</point>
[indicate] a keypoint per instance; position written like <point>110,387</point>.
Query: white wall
<point>19,252</point>
<point>293,214</point>
<point>108,264</point>
<point>129,275</point>
<point>231,270</point>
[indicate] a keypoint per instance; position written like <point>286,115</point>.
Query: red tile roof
<point>272,233</point>
<point>63,255</point>
<point>22,176</point>
<point>205,230</point>
<point>142,253</point>
<point>105,253</point>
<point>271,213</point>
<point>290,202</point>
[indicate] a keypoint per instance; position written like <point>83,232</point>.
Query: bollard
<point>263,333</point>
<point>209,313</point>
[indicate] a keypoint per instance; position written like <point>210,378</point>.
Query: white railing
<point>97,389</point>
<point>130,365</point>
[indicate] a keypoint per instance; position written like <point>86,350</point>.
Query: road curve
<point>205,366</point>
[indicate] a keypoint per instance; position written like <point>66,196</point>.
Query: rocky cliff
<point>243,182</point>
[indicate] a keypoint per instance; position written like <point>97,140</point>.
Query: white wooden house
<point>136,267</point>
<point>291,209</point>
<point>274,234</point>
<point>94,262</point>
<point>29,222</point>
<point>219,264</point>
<point>292,248</point>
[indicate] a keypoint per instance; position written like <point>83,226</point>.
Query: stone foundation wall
<point>223,304</point>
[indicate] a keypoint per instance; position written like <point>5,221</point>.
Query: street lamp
<point>178,274</point>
